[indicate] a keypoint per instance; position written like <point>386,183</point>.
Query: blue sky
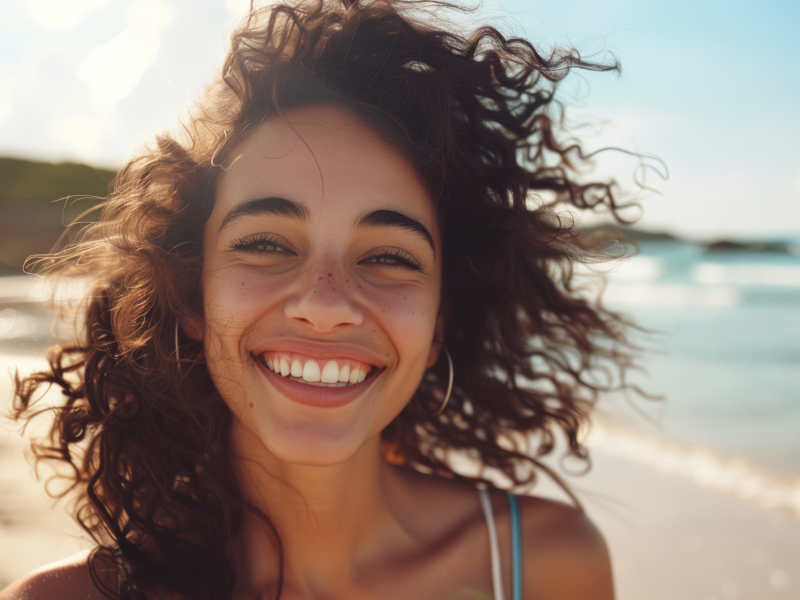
<point>711,87</point>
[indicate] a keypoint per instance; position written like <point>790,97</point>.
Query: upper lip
<point>322,350</point>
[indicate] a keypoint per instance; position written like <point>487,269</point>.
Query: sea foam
<point>698,464</point>
<point>708,273</point>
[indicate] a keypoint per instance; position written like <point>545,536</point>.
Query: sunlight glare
<point>82,134</point>
<point>112,69</point>
<point>59,14</point>
<point>6,93</point>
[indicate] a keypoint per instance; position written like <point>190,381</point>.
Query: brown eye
<point>395,259</point>
<point>260,244</point>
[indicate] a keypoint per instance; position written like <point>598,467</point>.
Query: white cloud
<point>5,109</point>
<point>630,128</point>
<point>81,135</point>
<point>238,8</point>
<point>6,93</point>
<point>59,14</point>
<point>796,187</point>
<point>112,69</point>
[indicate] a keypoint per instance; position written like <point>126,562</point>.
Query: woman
<point>342,278</point>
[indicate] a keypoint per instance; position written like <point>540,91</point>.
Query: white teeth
<point>310,371</point>
<point>330,372</point>
<point>297,368</point>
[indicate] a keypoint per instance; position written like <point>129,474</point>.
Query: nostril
<point>322,303</point>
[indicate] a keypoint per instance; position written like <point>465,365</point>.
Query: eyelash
<point>251,243</point>
<point>403,259</point>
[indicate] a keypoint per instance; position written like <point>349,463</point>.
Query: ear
<point>192,327</point>
<point>436,345</point>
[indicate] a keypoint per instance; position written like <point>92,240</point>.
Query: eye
<point>394,258</point>
<point>261,244</point>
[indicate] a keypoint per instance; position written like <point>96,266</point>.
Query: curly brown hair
<point>145,431</point>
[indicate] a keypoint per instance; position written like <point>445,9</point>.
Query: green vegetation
<point>37,201</point>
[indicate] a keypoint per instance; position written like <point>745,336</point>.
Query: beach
<point>671,539</point>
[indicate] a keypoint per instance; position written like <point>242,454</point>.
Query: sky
<point>709,92</point>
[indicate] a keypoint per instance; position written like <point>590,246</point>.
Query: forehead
<point>321,152</point>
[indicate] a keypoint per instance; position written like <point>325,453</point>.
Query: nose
<point>324,300</point>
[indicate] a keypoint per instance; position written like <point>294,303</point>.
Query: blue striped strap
<point>516,546</point>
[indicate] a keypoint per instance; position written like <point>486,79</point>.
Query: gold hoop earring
<point>449,383</point>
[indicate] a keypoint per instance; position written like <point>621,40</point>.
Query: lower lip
<point>316,395</point>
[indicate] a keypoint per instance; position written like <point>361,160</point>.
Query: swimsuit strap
<point>516,546</point>
<point>494,547</point>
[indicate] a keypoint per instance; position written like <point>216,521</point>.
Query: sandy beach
<point>673,540</point>
<point>671,537</point>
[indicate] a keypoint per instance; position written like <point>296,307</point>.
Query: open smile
<point>335,372</point>
<point>326,383</point>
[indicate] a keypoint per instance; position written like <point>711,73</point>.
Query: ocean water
<point>726,357</point>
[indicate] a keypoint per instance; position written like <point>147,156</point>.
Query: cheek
<point>235,300</point>
<point>408,314</point>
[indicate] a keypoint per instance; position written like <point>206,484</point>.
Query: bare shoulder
<point>565,556</point>
<point>69,579</point>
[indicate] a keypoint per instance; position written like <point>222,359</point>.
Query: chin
<point>320,444</point>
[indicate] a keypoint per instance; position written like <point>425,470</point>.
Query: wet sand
<point>673,540</point>
<point>670,538</point>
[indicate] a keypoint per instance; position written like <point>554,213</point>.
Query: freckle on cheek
<point>251,405</point>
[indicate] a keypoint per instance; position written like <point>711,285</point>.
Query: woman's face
<point>321,285</point>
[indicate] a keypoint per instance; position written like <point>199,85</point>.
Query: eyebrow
<point>266,206</point>
<point>391,218</point>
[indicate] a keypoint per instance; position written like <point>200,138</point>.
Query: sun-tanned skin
<point>324,279</point>
<point>565,558</point>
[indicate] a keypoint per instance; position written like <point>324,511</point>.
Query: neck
<point>330,519</point>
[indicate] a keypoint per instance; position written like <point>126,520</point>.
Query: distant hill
<point>639,235</point>
<point>631,234</point>
<point>626,234</point>
<point>31,216</point>
<point>734,246</point>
